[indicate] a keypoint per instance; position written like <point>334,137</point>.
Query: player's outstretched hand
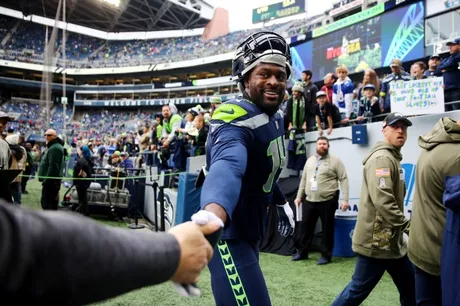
<point>286,223</point>
<point>195,250</point>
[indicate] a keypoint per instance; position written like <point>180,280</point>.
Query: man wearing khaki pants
<point>320,184</point>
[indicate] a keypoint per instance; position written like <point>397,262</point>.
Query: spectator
<point>284,109</point>
<point>112,147</point>
<point>116,161</point>
<point>451,74</point>
<point>50,170</point>
<point>126,163</point>
<point>159,128</point>
<point>171,124</point>
<point>189,117</point>
<point>216,101</point>
<point>297,111</point>
<point>417,70</point>
<point>28,168</point>
<point>370,77</point>
<point>397,75</point>
<point>202,136</point>
<point>310,91</point>
<point>17,162</point>
<point>368,105</point>
<point>329,81</point>
<point>342,96</point>
<point>324,113</point>
<point>82,172</point>
<point>145,139</point>
<point>4,147</point>
<point>433,64</point>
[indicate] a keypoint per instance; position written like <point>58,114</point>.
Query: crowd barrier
<point>341,144</point>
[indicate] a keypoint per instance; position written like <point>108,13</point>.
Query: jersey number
<point>300,147</point>
<point>276,151</point>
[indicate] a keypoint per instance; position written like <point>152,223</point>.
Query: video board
<point>371,43</point>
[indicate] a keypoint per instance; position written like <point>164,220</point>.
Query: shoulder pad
<point>229,111</point>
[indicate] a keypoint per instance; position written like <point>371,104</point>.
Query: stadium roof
<point>131,15</point>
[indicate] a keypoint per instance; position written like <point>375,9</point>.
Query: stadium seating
<point>26,42</point>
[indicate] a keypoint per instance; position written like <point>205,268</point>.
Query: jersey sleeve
<point>334,95</point>
<point>227,165</point>
<point>451,196</point>
<point>349,98</point>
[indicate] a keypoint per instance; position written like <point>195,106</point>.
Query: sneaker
<point>323,261</point>
<point>297,257</point>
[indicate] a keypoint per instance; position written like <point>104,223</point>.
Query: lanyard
<point>367,104</point>
<point>321,112</point>
<point>318,163</point>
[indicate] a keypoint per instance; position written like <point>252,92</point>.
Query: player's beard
<point>266,107</point>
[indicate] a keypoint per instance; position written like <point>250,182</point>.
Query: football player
<point>245,153</point>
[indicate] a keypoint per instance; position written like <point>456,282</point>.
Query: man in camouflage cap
<point>378,237</point>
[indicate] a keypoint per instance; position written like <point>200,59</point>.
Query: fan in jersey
<point>244,155</point>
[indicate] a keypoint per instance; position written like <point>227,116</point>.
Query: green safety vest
<point>168,126</point>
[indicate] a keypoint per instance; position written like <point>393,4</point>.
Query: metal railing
<point>381,116</point>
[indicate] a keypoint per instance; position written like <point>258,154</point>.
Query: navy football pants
<point>236,278</point>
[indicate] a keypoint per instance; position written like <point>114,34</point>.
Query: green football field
<point>289,283</point>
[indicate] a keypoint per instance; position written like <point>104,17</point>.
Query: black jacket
<point>59,258</point>
<point>87,166</point>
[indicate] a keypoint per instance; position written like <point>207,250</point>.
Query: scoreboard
<point>281,9</point>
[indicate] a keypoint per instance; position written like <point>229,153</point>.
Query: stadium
<point>100,73</point>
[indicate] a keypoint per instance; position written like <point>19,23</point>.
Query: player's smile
<point>266,85</point>
<point>271,94</point>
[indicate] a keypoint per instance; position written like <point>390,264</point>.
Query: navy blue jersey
<point>244,156</point>
<point>297,155</point>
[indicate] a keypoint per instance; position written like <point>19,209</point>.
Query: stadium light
<point>115,3</point>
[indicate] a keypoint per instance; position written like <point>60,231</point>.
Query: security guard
<point>320,183</point>
<point>378,236</point>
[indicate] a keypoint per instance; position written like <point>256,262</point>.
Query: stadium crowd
<point>337,103</point>
<point>102,137</point>
<point>26,41</point>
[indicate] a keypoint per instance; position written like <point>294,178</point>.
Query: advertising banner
<point>418,97</point>
<point>148,102</point>
<point>277,10</point>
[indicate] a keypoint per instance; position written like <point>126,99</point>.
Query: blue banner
<point>148,102</point>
